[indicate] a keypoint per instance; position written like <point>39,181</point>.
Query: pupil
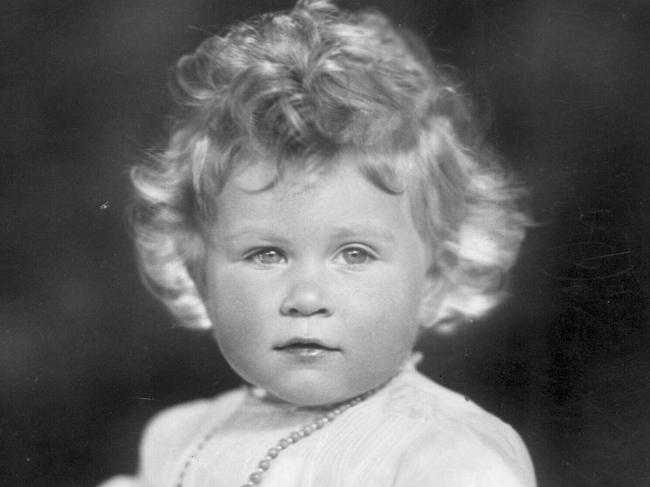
<point>268,256</point>
<point>355,255</point>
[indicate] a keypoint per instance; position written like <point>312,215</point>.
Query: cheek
<point>389,307</point>
<point>229,295</point>
<point>401,309</point>
<point>234,327</point>
<point>398,293</point>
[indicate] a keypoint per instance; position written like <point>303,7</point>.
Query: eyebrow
<point>244,232</point>
<point>338,233</point>
<point>364,230</point>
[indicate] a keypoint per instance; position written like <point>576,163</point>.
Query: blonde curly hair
<point>306,88</point>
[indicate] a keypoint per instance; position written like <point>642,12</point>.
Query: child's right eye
<point>266,256</point>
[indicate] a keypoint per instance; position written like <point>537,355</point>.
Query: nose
<point>306,295</point>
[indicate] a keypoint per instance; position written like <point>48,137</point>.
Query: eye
<point>355,255</point>
<point>266,256</point>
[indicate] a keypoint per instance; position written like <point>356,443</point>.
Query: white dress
<point>411,433</point>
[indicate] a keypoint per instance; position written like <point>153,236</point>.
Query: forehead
<point>339,194</point>
<point>393,173</point>
<point>259,176</point>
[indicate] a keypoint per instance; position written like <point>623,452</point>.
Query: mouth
<point>305,347</point>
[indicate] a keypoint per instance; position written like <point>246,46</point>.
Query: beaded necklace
<point>294,437</point>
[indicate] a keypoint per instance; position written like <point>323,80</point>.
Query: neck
<point>268,397</point>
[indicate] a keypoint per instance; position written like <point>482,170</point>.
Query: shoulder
<point>171,431</point>
<point>463,458</point>
<point>456,442</point>
<point>418,398</point>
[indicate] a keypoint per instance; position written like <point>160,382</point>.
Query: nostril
<point>295,311</point>
<point>322,311</point>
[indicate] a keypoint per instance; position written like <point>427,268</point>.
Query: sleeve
<point>164,439</point>
<point>465,458</point>
<point>123,481</point>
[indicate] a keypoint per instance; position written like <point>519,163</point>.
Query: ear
<point>436,312</point>
<point>433,293</point>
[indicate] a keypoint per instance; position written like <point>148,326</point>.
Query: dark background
<point>86,356</point>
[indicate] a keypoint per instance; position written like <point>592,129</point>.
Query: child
<point>318,208</point>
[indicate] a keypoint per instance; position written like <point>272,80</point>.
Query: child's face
<point>315,287</point>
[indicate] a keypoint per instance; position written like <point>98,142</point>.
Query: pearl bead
<point>265,463</point>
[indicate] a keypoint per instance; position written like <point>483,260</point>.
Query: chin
<point>311,395</point>
<point>315,399</point>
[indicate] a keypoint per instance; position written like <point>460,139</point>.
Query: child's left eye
<point>355,255</point>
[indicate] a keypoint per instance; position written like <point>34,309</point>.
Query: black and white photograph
<point>325,243</point>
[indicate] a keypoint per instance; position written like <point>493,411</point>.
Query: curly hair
<point>306,88</point>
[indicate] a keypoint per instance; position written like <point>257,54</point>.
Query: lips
<point>305,347</point>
